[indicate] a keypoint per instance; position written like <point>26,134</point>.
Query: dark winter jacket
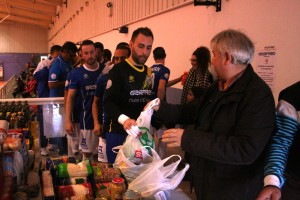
<point>232,129</point>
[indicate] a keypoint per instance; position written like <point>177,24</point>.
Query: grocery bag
<point>143,130</point>
<point>126,164</point>
<point>159,177</point>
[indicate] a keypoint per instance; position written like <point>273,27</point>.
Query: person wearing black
<point>233,123</point>
<point>128,90</point>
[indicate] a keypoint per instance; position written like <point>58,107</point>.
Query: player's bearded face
<point>139,59</point>
<point>91,61</point>
<point>89,54</point>
<point>141,48</point>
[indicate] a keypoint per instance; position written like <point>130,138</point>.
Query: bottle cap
<point>118,180</point>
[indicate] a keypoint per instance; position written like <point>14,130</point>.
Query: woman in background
<point>198,75</point>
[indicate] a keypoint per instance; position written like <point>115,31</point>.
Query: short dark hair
<point>87,42</point>
<point>125,48</point>
<point>69,47</point>
<point>122,44</point>
<point>159,53</point>
<point>55,48</point>
<point>107,54</point>
<point>142,30</point>
<point>99,45</point>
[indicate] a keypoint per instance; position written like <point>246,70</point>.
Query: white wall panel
<point>20,38</point>
<point>95,18</point>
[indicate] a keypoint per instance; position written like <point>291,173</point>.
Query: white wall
<point>22,38</point>
<point>267,23</point>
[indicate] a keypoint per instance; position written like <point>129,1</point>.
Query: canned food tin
<point>131,195</point>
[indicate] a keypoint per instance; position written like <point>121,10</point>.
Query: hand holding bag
<point>159,177</point>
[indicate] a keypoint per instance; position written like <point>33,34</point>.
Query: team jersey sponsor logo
<point>90,87</point>
<point>53,76</point>
<point>83,143</point>
<point>140,92</point>
<point>156,69</point>
<point>147,83</point>
<point>166,75</point>
<point>85,76</point>
<point>131,79</point>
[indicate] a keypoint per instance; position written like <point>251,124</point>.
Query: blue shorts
<point>113,140</point>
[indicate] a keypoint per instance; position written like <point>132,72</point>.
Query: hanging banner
<point>265,66</point>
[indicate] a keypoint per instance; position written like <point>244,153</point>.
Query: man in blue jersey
<point>101,123</point>
<point>60,68</point>
<point>128,90</point>
<point>160,76</point>
<point>57,78</point>
<point>74,138</point>
<point>83,81</point>
<point>41,74</point>
<point>120,54</point>
<point>283,160</point>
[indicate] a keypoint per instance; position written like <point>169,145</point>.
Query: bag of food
<point>159,177</point>
<point>143,130</point>
<point>68,170</point>
<point>129,168</point>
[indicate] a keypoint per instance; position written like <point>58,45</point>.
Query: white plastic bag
<point>143,130</point>
<point>102,156</point>
<point>129,169</point>
<point>135,151</point>
<point>159,177</point>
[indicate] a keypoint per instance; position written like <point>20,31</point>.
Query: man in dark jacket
<point>233,123</point>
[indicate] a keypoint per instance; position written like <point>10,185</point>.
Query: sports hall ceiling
<point>34,12</point>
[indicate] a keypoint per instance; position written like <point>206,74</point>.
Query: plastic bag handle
<point>117,148</point>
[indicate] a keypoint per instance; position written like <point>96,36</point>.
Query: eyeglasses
<point>121,58</point>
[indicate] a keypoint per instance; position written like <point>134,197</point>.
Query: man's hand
<point>69,128</point>
<point>269,192</point>
<point>172,137</point>
<point>97,129</point>
<point>131,128</point>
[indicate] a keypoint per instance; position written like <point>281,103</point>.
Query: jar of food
<point>103,192</point>
<point>117,188</point>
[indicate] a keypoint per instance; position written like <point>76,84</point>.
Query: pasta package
<point>69,170</point>
<point>105,174</point>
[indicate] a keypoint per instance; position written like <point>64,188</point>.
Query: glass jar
<point>103,192</point>
<point>131,195</point>
<point>117,188</point>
